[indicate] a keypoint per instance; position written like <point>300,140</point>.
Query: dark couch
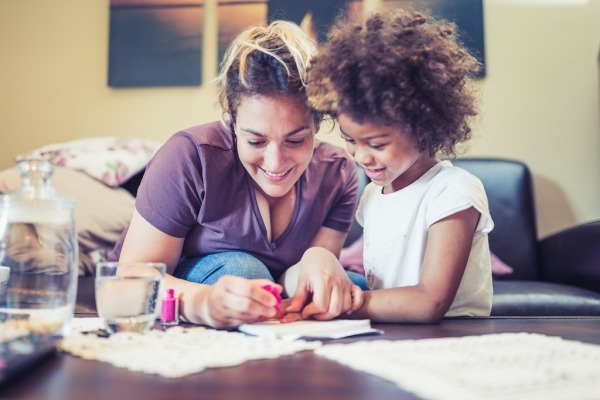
<point>559,275</point>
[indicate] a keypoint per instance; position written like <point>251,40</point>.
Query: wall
<point>539,100</point>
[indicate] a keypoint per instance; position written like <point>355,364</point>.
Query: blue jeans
<point>208,269</point>
<point>358,279</point>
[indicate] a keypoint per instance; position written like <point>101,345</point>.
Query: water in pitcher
<point>38,254</point>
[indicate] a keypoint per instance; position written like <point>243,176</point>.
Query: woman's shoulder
<point>212,135</point>
<point>330,153</point>
<point>333,164</point>
<point>192,147</point>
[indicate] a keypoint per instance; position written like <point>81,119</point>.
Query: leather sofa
<point>556,276</point>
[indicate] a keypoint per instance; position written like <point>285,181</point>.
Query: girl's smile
<point>387,154</point>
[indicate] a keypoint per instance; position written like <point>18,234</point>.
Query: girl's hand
<point>289,316</point>
<point>324,290</point>
<point>234,301</point>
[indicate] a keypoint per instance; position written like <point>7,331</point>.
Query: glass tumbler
<point>128,294</point>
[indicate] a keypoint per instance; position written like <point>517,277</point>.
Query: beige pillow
<point>101,212</point>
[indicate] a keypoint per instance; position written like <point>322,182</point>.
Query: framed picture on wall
<point>234,16</point>
<point>315,17</point>
<point>159,42</point>
<point>155,43</point>
<point>466,14</point>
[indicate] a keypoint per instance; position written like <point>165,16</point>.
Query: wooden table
<point>300,376</point>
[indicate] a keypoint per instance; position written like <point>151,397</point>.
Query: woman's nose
<point>274,158</point>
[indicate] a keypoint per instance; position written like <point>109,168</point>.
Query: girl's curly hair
<point>402,69</point>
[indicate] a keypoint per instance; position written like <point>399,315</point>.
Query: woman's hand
<point>234,301</point>
<point>323,289</point>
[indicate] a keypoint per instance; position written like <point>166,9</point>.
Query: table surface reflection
<point>300,376</point>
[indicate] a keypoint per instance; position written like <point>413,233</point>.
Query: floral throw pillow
<point>111,160</point>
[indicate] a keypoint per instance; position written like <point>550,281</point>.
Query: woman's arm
<point>446,255</point>
<point>230,302</point>
<point>146,243</point>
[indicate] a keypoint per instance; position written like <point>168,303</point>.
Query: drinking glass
<point>128,294</point>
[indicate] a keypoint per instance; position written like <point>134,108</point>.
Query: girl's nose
<point>360,154</point>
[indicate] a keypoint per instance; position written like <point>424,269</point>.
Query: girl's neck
<point>411,175</point>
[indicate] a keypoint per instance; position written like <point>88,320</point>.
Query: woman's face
<point>275,141</point>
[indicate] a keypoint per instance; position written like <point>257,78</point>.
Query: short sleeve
<point>170,194</point>
<point>360,211</point>
<point>342,212</point>
<point>457,191</point>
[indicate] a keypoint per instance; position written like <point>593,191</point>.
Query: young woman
<point>231,205</point>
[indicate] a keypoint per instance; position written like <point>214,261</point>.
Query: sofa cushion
<point>86,295</point>
<point>531,298</point>
<point>101,212</point>
<point>509,188</point>
<point>111,160</point>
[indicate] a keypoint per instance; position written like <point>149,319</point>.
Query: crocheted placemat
<point>179,351</point>
<point>497,366</point>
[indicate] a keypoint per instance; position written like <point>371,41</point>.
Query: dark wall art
<point>159,42</point>
<point>155,43</point>
<point>466,14</point>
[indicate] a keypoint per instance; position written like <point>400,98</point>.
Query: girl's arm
<point>230,302</point>
<point>318,282</point>
<point>446,255</point>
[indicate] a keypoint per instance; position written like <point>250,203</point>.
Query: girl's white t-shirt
<point>396,228</point>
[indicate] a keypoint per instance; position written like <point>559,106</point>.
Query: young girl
<point>398,87</point>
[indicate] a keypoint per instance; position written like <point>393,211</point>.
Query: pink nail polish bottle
<point>169,312</point>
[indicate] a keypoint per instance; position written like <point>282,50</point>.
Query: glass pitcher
<point>38,254</point>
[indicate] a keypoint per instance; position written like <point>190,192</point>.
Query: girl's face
<point>275,141</point>
<point>388,156</point>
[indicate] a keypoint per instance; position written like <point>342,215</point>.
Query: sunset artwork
<point>159,42</point>
<point>466,14</point>
<point>234,16</point>
<point>155,43</point>
<point>315,17</point>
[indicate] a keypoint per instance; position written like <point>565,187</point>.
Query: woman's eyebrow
<point>293,132</point>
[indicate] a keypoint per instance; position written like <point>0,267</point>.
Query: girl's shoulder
<point>450,175</point>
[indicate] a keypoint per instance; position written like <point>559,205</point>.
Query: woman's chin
<point>275,191</point>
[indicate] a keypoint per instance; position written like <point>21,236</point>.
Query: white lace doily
<point>179,351</point>
<point>498,366</point>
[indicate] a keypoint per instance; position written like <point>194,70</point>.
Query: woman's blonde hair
<point>267,60</point>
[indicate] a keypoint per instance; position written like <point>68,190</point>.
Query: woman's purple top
<point>196,187</point>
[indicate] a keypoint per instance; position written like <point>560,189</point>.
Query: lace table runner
<point>179,351</point>
<point>498,366</point>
